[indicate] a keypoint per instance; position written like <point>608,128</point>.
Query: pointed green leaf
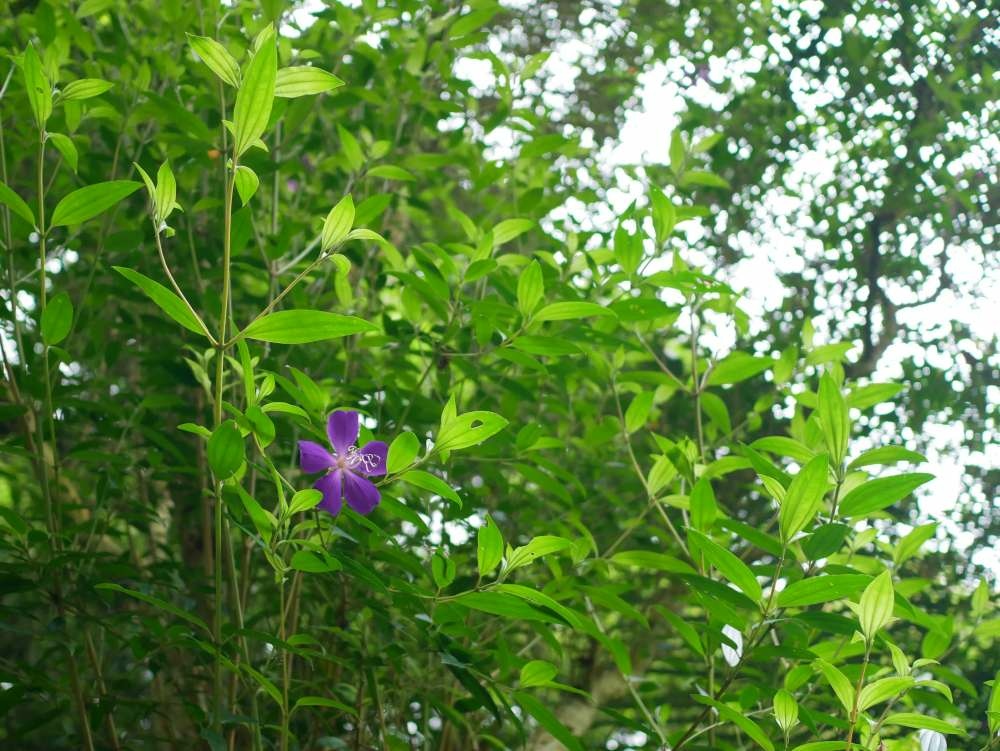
<point>304,326</point>
<point>15,203</point>
<point>803,497</point>
<point>881,493</point>
<point>226,450</point>
<point>86,203</point>
<point>338,223</point>
<point>530,288</point>
<point>217,58</point>
<point>565,311</point>
<point>876,605</point>
<point>489,547</point>
<point>402,451</point>
<point>819,589</point>
<point>255,96</point>
<point>304,80</point>
<point>66,147</point>
<point>246,183</point>
<point>57,319</point>
<point>37,85</point>
<point>85,88</point>
<point>168,302</point>
<point>731,567</point>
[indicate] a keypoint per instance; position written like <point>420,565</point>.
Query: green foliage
<point>594,521</point>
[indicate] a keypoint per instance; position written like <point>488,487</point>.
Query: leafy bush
<point>325,433</point>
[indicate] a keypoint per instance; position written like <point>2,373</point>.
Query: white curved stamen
<point>355,459</point>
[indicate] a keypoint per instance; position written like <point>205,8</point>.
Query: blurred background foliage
<point>845,149</point>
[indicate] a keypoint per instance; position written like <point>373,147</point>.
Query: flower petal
<point>342,428</point>
<point>332,488</point>
<point>361,495</point>
<point>313,457</point>
<point>374,453</point>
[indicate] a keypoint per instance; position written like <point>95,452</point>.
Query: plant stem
<point>51,499</point>
<point>220,374</point>
<point>284,669</point>
<point>857,697</point>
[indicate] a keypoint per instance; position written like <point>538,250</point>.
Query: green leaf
<point>786,710</point>
<point>881,690</point>
<point>322,701</point>
<point>910,545</point>
<point>536,548</point>
<point>165,198</point>
<point>548,720</point>
<point>728,564</point>
<point>264,682</point>
<point>803,497</point>
<point>469,429</point>
<point>638,411</point>
<point>90,7</point>
<point>226,450</point>
<point>246,183</point>
<point>838,682</point>
<point>863,397</point>
<point>565,311</point>
<point>255,96</point>
<point>436,485</point>
<point>833,417</point>
<point>748,726</point>
<point>530,288</point>
<point>825,540</point>
<point>315,562</point>
<point>57,319</point>
<point>881,493</point>
<point>304,326</point>
<point>820,589</point>
<point>704,509</point>
<point>338,223</point>
<point>37,86</point>
<point>510,229</point>
<point>66,147</point>
<point>167,301</point>
<point>304,500</point>
<point>922,722</point>
<point>86,203</point>
<point>886,455</point>
<point>352,149</point>
<point>739,366</point>
<point>489,547</point>
<point>470,22</point>
<point>876,605</point>
<point>15,203</point>
<point>217,58</point>
<point>664,215</point>
<point>503,605</point>
<point>703,177</point>
<point>304,80</point>
<point>677,152</point>
<point>537,673</point>
<point>390,172</point>
<point>263,520</point>
<point>653,561</point>
<point>85,88</point>
<point>156,602</point>
<point>402,451</point>
<point>682,627</point>
<point>784,446</point>
<point>993,708</point>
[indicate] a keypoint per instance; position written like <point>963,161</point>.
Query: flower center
<point>354,459</point>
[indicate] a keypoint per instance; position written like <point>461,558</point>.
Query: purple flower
<point>345,470</point>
